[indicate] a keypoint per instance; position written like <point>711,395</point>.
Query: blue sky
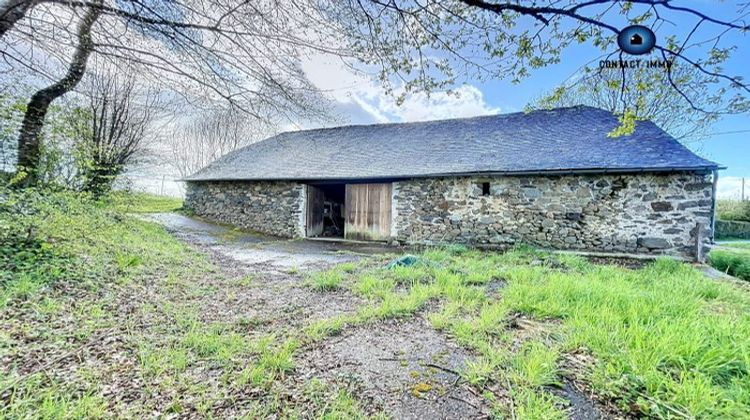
<point>731,150</point>
<point>362,100</point>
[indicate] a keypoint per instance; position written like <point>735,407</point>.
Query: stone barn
<point>552,179</point>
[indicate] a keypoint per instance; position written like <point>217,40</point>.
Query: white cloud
<point>730,187</point>
<point>360,99</point>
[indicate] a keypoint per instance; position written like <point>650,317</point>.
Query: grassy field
<point>140,203</point>
<point>733,259</point>
<point>102,316</point>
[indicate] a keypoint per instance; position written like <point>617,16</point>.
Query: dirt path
<point>404,368</point>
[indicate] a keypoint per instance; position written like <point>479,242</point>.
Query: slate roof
<point>548,141</point>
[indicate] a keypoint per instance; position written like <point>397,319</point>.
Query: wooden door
<point>314,223</point>
<point>368,211</point>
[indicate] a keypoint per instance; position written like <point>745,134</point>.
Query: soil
<point>405,368</point>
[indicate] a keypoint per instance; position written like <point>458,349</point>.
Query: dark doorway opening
<point>326,210</point>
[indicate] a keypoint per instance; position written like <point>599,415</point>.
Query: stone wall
<point>274,208</point>
<point>641,213</point>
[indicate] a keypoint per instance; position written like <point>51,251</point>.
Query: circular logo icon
<point>636,40</point>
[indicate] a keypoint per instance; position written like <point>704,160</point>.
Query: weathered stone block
<point>653,243</point>
<point>662,206</point>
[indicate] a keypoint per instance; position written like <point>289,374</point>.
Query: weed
<point>326,328</point>
<point>326,280</point>
<point>536,405</point>
<point>293,270</point>
<point>348,267</point>
<point>246,280</point>
<point>535,365</point>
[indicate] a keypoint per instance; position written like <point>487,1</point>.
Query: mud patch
<point>581,406</point>
<point>405,368</point>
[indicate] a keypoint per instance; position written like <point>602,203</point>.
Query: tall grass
<point>666,339</point>
<point>735,260</point>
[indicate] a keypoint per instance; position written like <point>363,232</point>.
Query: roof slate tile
<point>562,139</point>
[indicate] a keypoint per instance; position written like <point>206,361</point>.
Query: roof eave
<point>553,172</point>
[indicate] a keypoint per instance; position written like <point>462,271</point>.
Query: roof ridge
<point>404,123</point>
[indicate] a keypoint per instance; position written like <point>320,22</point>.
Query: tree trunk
<point>11,11</point>
<point>36,111</point>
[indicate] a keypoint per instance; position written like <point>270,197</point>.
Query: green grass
<point>46,237</point>
<point>733,259</point>
<point>137,202</point>
<point>662,341</point>
<point>665,339</point>
<point>326,280</point>
<point>90,270</point>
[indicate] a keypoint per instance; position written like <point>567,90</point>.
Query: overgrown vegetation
<point>733,210</point>
<point>662,341</point>
<point>733,259</point>
<point>82,277</point>
<point>87,290</point>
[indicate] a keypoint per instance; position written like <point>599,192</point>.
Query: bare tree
<point>646,94</point>
<point>36,110</point>
<point>243,53</point>
<point>201,141</point>
<point>115,131</point>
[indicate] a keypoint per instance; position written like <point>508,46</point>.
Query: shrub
<point>733,210</point>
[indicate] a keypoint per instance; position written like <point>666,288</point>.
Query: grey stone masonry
<point>639,213</point>
<point>270,207</point>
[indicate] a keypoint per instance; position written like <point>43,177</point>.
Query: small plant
<point>326,280</point>
<point>292,270</point>
<point>245,281</point>
<point>478,372</point>
<point>348,267</point>
<point>535,365</point>
<point>325,328</point>
<point>278,359</point>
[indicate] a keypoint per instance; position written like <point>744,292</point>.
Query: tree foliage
<point>433,44</point>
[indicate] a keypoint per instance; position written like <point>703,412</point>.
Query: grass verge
<point>733,259</point>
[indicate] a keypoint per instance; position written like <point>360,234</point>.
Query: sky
<point>359,99</point>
